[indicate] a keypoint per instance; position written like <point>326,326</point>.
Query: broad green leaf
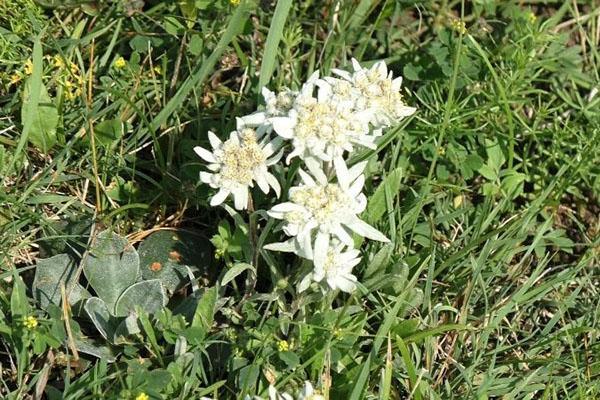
<point>379,262</point>
<point>87,346</point>
<point>101,316</point>
<point>289,358</point>
<point>234,271</point>
<point>50,273</point>
<point>108,132</point>
<point>111,267</point>
<point>377,207</point>
<point>205,312</point>
<point>247,376</point>
<point>512,182</point>
<point>18,299</point>
<point>165,254</point>
<point>488,172</point>
<point>473,161</point>
<point>41,115</point>
<point>150,296</point>
<point>28,113</point>
<point>189,11</point>
<point>495,156</point>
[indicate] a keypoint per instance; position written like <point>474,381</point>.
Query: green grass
<point>490,194</point>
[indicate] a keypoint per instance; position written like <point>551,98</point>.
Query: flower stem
<point>253,273</point>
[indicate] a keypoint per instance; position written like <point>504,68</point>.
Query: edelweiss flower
<point>237,163</point>
<point>330,209</point>
<point>309,393</point>
<point>320,128</point>
<point>379,92</point>
<point>335,269</point>
<point>275,395</point>
<point>276,105</point>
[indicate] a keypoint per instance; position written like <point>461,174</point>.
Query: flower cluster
<point>323,123</point>
<point>66,74</point>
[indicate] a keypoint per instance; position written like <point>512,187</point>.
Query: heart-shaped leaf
<point>111,267</point>
<point>150,296</point>
<point>87,346</point>
<point>165,254</point>
<point>101,317</point>
<point>50,274</point>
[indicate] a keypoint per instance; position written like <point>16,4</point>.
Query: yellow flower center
<point>120,62</point>
<point>378,93</point>
<point>323,121</point>
<point>323,202</point>
<point>241,159</point>
<point>30,322</point>
<point>283,345</point>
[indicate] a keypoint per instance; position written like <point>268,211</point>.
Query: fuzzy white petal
<point>283,126</point>
<point>286,247</point>
<point>366,230</point>
<point>321,249</point>
<point>219,197</point>
<point>240,198</point>
<point>205,154</point>
<point>206,177</point>
<point>274,183</point>
<point>214,140</point>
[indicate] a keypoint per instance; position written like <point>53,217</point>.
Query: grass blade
<point>272,44</point>
<point>200,73</point>
<point>36,84</point>
<point>384,329</point>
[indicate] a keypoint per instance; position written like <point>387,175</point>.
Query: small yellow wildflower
<point>58,62</point>
<point>283,345</point>
<point>219,253</point>
<point>28,67</point>
<point>531,17</point>
<point>15,78</point>
<point>157,70</point>
<point>459,26</point>
<point>30,322</point>
<point>71,95</point>
<point>234,2</point>
<point>120,63</point>
<point>74,68</point>
<point>458,200</point>
<point>142,396</point>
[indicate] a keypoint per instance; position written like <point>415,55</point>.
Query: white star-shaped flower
<point>335,269</point>
<point>320,128</point>
<point>276,105</point>
<point>373,89</point>
<point>275,395</point>
<point>239,162</point>
<point>319,210</point>
<point>309,393</point>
